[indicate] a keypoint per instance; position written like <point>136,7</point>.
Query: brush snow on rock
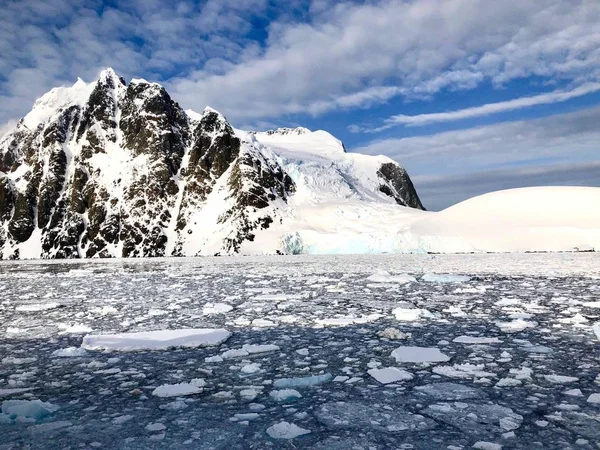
<point>116,169</point>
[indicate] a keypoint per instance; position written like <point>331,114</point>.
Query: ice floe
<point>419,355</point>
<point>156,340</point>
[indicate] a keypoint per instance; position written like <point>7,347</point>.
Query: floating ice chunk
<point>18,361</point>
<point>340,379</point>
<point>530,348</point>
<point>596,328</point>
<point>463,371</point>
<point>286,430</point>
<point>234,353</point>
<point>283,395</point>
<point>476,340</point>
<point>592,304</point>
<point>176,390</point>
<point>216,308</point>
<point>156,340</point>
<point>508,382</point>
<point>121,419</point>
<point>484,445</point>
<point>450,391</point>
<point>303,381</point>
<point>263,323</point>
<point>515,325</point>
<point>249,394</point>
<point>393,334</point>
<point>410,314</point>
<point>382,276</point>
<point>594,399</point>
<point>76,328</point>
<point>419,355</point>
<point>198,382</point>
<point>390,375</point>
<point>33,409</point>
<point>176,405</point>
<point>441,278</point>
<point>69,352</point>
<point>247,416</point>
<point>508,302</point>
<point>524,373</point>
<point>250,368</point>
<point>12,391</point>
<point>212,359</point>
<point>560,379</point>
<point>156,426</point>
<point>32,307</point>
<point>345,321</point>
<point>255,348</point>
<point>574,392</point>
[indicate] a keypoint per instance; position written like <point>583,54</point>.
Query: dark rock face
<point>396,183</point>
<point>112,169</point>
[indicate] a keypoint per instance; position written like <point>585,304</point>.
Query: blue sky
<point>470,96</point>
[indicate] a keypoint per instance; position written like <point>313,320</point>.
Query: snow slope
<point>515,220</point>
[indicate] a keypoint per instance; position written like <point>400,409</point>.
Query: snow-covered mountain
<point>110,169</point>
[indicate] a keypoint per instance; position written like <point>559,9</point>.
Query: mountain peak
<point>109,76</point>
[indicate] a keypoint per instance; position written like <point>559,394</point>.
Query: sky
<point>471,96</point>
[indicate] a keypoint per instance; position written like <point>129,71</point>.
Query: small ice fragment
<point>419,355</point>
<point>381,276</point>
<point>393,334</point>
<point>216,308</point>
<point>69,352</point>
<point>285,394</point>
<point>442,278</point>
<point>34,409</point>
<point>33,307</point>
<point>476,340</point>
<point>594,399</point>
<point>251,368</point>
<point>390,375</point>
<point>255,348</point>
<point>176,390</point>
<point>483,445</point>
<point>559,379</point>
<point>121,419</point>
<point>303,381</point>
<point>156,426</point>
<point>286,430</point>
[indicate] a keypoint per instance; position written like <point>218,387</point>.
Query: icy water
<point>506,353</point>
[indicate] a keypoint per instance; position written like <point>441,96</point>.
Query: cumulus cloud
<point>358,55</point>
<point>47,43</point>
<point>313,57</point>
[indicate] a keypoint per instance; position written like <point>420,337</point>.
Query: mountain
<point>110,169</point>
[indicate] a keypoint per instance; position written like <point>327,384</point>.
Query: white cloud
<point>393,47</point>
<point>326,57</point>
<point>484,110</point>
<point>570,137</point>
